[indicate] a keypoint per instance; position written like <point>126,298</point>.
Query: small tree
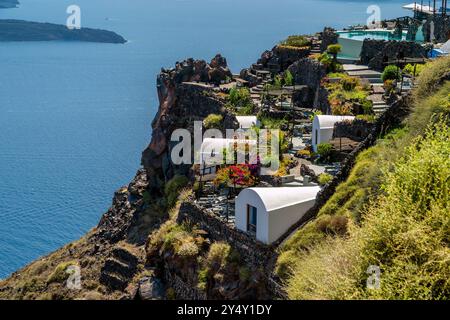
<point>391,72</point>
<point>173,188</point>
<point>325,178</point>
<point>334,50</point>
<point>324,150</point>
<point>288,78</point>
<point>213,121</point>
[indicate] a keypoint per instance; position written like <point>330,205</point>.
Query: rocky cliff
<point>186,94</point>
<point>112,257</point>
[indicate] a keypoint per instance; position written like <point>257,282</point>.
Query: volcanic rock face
<point>276,60</point>
<point>186,94</point>
<point>375,53</point>
<point>328,36</point>
<point>309,73</point>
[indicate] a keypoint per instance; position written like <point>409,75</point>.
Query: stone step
<point>365,73</point>
<point>378,89</point>
<point>124,255</point>
<point>381,110</point>
<point>113,281</point>
<point>375,81</point>
<point>114,266</point>
<point>347,61</point>
<point>354,67</point>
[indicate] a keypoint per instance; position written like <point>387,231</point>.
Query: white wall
<point>270,226</point>
<point>324,135</point>
<point>282,219</point>
<point>323,128</point>
<point>350,48</point>
<point>262,224</point>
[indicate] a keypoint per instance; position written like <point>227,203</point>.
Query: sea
<point>75,117</point>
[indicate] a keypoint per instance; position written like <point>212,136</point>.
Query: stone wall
<point>184,291</point>
<point>255,254</point>
<point>441,26</point>
<point>356,130</point>
<point>288,55</point>
<point>308,73</point>
<point>374,53</point>
<point>328,36</point>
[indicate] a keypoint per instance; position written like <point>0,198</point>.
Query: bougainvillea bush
<point>242,175</point>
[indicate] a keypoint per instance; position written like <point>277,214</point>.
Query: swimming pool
<point>352,41</point>
<point>361,35</point>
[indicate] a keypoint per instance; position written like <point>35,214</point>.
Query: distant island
<point>19,30</point>
<point>6,4</point>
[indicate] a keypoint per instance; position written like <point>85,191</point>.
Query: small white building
<point>212,152</point>
<point>247,122</point>
<point>267,213</point>
<point>323,127</point>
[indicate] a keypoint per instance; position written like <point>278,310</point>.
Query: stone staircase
<point>119,269</point>
<point>373,77</point>
<point>315,48</point>
<point>379,105</point>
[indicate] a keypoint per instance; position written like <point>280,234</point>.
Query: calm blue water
<point>74,117</point>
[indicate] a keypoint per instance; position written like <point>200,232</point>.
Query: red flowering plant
<point>241,175</point>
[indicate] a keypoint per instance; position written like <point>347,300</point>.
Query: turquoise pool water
<point>371,34</point>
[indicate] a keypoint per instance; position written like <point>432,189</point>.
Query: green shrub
<point>296,41</point>
<point>213,121</point>
<point>428,81</point>
<point>171,294</point>
<point>326,60</point>
<point>336,75</point>
<point>60,275</point>
<point>367,117</point>
<point>334,49</point>
<point>239,96</point>
<point>240,101</point>
<point>217,255</point>
<point>288,78</point>
<point>271,123</point>
<point>173,187</point>
<point>414,70</point>
<point>244,273</point>
<point>349,83</point>
<point>332,225</point>
<point>325,178</point>
<point>270,160</point>
<point>246,110</point>
<point>324,150</point>
<point>391,72</point>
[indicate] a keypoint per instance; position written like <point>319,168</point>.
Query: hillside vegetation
<point>391,215</point>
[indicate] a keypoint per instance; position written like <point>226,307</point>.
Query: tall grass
<point>405,233</point>
<point>396,205</point>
